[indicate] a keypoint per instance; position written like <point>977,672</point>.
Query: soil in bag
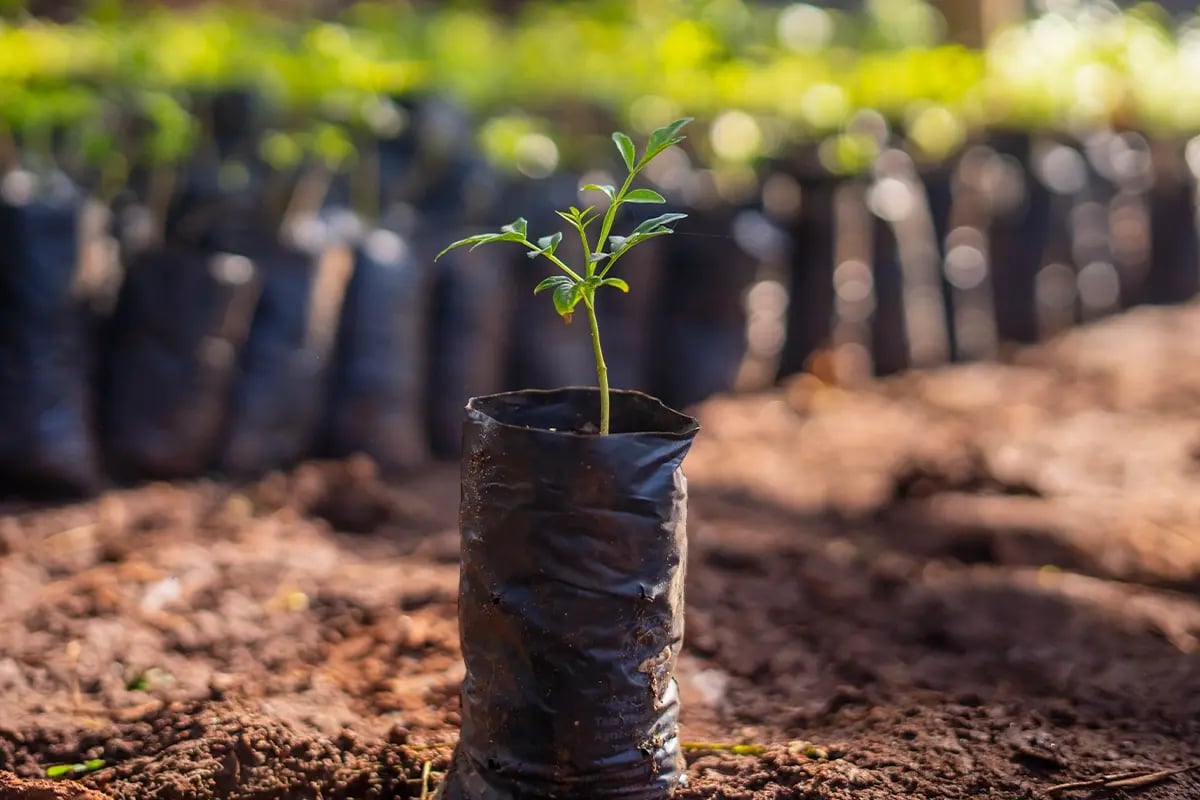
<point>377,394</point>
<point>46,441</point>
<point>574,552</point>
<point>181,320</point>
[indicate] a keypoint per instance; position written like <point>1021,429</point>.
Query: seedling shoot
<point>578,284</point>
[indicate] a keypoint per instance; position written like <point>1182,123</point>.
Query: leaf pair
<point>568,292</point>
<point>636,196</point>
<point>660,140</point>
<point>546,245</point>
<point>649,229</point>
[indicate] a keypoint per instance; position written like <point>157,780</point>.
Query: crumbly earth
<point>977,582</point>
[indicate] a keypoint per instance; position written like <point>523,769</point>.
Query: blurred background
<point>217,221</point>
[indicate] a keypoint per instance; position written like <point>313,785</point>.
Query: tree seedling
<point>578,285</point>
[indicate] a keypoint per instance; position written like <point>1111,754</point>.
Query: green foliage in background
<point>759,78</point>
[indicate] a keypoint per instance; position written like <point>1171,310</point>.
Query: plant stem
<point>553,259</point>
<point>601,368</point>
<point>611,215</point>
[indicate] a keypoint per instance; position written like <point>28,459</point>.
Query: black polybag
<point>46,442</point>
<point>574,551</point>
<point>700,322</point>
<point>377,396</point>
<point>181,320</point>
<point>279,395</point>
<point>469,334</point>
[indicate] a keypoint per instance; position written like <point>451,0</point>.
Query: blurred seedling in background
<point>72,770</point>
<point>578,285</point>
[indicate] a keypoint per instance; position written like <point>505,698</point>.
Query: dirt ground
<point>980,582</point>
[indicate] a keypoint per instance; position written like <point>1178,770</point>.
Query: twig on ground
<point>736,749</point>
<point>426,768</point>
<point>1122,780</point>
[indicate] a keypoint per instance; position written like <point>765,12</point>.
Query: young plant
<point>71,770</point>
<point>578,285</point>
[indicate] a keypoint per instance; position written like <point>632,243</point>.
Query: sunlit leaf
<point>625,145</point>
<point>660,221</point>
<point>553,282</point>
<point>547,245</point>
<point>518,225</point>
<point>664,137</point>
<point>644,196</point>
<point>616,283</point>
<point>566,297</point>
<point>611,191</point>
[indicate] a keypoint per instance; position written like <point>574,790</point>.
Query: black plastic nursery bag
<point>181,321</point>
<point>46,440</point>
<point>470,321</point>
<point>279,395</point>
<point>574,551</point>
<point>377,398</point>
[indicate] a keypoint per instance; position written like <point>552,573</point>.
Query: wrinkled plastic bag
<point>46,441</point>
<point>181,321</point>
<point>279,395</point>
<point>574,550</point>
<point>377,396</point>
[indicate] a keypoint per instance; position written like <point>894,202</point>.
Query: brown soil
<point>973,583</point>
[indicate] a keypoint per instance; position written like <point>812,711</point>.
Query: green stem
<point>610,216</point>
<point>601,367</point>
<point>554,260</point>
<point>611,262</point>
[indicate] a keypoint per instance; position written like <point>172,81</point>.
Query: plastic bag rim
<point>689,426</point>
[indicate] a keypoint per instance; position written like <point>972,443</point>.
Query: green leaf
<point>620,244</point>
<point>566,297</point>
<point>518,225</point>
<point>547,245</point>
<point>644,196</point>
<point>597,257</point>
<point>625,145</point>
<point>611,191</point>
<point>661,221</point>
<point>553,282</point>
<point>664,137</point>
<point>511,236</point>
<point>472,241</point>
<point>482,239</point>
<point>616,283</point>
<point>64,770</point>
